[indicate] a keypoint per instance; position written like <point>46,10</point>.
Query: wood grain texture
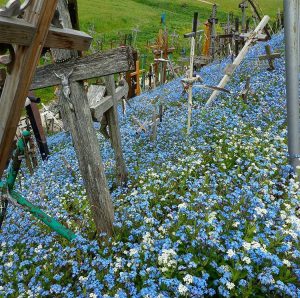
<point>15,90</point>
<point>105,104</point>
<point>18,31</point>
<point>86,144</point>
<point>92,66</point>
<point>114,131</point>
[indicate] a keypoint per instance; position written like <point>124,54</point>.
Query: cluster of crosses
<point>26,38</point>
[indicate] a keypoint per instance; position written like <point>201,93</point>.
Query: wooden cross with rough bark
<point>270,57</point>
<point>30,36</point>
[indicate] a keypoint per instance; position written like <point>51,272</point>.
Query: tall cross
<point>190,77</point>
<point>213,21</point>
<point>29,36</point>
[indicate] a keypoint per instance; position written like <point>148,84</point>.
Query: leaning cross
<point>29,35</point>
<point>230,70</point>
<point>270,57</point>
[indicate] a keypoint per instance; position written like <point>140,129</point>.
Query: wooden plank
<point>114,131</point>
<point>80,123</point>
<point>102,107</point>
<point>16,87</point>
<point>93,66</point>
<point>18,31</point>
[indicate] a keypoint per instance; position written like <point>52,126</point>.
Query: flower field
<point>214,213</point>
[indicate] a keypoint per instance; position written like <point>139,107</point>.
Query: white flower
<point>247,260</point>
<point>230,253</point>
<point>247,245</point>
<point>188,279</point>
<point>133,252</point>
<point>9,264</point>
<point>182,289</point>
<point>286,262</point>
<point>236,224</point>
<point>230,285</point>
<point>167,259</point>
<point>182,206</point>
<point>93,295</point>
<point>82,279</point>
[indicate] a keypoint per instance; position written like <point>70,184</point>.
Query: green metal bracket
<point>42,216</point>
<point>35,211</point>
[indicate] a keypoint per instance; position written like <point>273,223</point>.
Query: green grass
<point>114,18</point>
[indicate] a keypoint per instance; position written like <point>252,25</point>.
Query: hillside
<point>212,214</point>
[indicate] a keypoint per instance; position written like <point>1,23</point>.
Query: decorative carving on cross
<point>14,8</point>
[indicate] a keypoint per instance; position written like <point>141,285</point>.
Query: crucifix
<point>270,57</point>
<point>30,35</point>
<point>26,34</point>
<point>253,37</point>
<point>161,50</point>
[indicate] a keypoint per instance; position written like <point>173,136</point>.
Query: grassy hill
<point>113,17</point>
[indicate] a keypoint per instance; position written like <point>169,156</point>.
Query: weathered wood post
<point>213,20</point>
<point>191,35</point>
<point>36,124</point>
<point>80,123</point>
<point>17,83</point>
<point>114,131</point>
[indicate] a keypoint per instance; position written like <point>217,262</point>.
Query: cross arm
<point>93,66</point>
<point>20,32</point>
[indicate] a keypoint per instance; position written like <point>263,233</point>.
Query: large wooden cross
<point>73,99</point>
<point>29,35</point>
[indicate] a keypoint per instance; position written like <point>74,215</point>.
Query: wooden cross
<point>78,118</point>
<point>136,77</point>
<point>29,35</point>
<point>246,90</point>
<point>190,79</point>
<point>99,103</point>
<point>162,50</point>
<point>270,57</point>
<point>253,38</point>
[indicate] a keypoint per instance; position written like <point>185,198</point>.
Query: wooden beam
<point>80,123</point>
<point>18,31</point>
<point>102,107</point>
<point>96,65</point>
<point>114,131</point>
<point>17,83</point>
